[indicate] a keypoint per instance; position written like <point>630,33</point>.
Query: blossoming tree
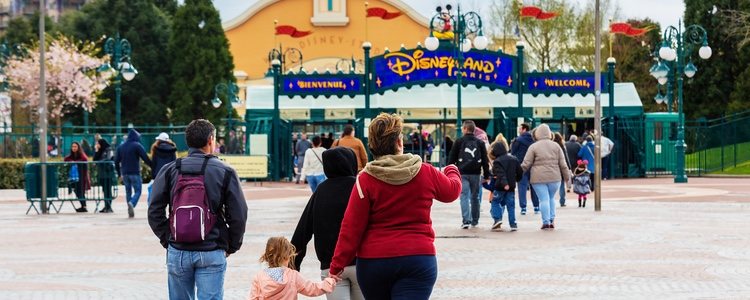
<point>72,80</point>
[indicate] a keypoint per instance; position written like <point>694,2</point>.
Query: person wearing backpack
<point>198,212</point>
<point>470,155</point>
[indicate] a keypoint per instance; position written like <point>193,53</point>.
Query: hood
<point>339,162</point>
<point>543,132</point>
<point>395,169</point>
<point>498,150</point>
<point>269,286</point>
<point>134,136</point>
<point>166,147</point>
<point>103,144</point>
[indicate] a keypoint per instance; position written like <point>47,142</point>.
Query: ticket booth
<point>661,139</point>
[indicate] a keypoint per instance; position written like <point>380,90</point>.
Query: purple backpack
<point>191,218</point>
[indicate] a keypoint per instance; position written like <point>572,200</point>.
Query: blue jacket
<point>129,155</point>
<point>587,153</point>
<point>521,145</point>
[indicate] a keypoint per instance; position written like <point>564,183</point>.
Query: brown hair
<point>469,125</point>
<point>558,138</point>
<point>385,131</point>
<point>278,249</point>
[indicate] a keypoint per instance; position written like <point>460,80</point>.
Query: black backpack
<point>470,159</point>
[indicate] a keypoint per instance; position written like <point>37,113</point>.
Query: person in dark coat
<point>572,147</point>
<point>105,172</point>
<point>519,147</point>
<point>506,171</point>
<point>82,183</point>
<point>128,167</point>
<point>163,151</point>
<point>323,215</point>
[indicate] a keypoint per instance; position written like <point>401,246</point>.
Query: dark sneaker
<point>513,227</point>
<point>497,225</point>
<point>465,226</point>
<point>545,227</point>
<point>563,205</point>
<point>131,212</point>
<point>551,226</point>
<point>536,210</point>
<point>523,211</point>
<point>82,209</point>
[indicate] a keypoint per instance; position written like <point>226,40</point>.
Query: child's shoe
<point>523,211</point>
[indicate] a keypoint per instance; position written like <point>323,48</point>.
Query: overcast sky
<point>665,12</point>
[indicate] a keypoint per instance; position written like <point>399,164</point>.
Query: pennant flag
<point>291,31</point>
<point>536,13</point>
<point>627,29</point>
<point>382,13</point>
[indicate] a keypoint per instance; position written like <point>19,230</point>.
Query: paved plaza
<point>652,240</point>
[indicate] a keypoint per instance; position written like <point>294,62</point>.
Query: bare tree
<point>737,25</point>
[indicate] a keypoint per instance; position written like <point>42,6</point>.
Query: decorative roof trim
<point>261,4</point>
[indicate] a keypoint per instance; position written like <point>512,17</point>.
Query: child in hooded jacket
<point>582,181</point>
<point>506,171</point>
<point>280,281</point>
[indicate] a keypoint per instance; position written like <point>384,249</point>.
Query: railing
<point>96,182</point>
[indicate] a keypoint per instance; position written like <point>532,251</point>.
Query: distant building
<point>55,8</point>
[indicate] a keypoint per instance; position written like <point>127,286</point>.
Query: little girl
<point>581,181</point>
<point>280,280</point>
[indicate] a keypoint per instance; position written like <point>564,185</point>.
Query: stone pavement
<point>653,239</point>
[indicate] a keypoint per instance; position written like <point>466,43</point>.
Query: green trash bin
<point>33,181</point>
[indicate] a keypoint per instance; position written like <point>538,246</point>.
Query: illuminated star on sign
<point>436,73</point>
<point>378,82</point>
<point>536,84</point>
<point>498,62</point>
<point>290,85</point>
<point>494,76</point>
<point>352,83</point>
<point>407,77</point>
<point>390,64</point>
<point>510,81</point>
<point>487,78</point>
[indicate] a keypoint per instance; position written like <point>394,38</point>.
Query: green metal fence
<point>718,144</point>
<point>96,183</point>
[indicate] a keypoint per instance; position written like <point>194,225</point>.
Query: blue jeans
<point>523,185</point>
<point>502,199</point>
<point>546,193</point>
<point>191,270</point>
<point>315,180</point>
<point>562,192</point>
<point>132,182</point>
<point>405,277</point>
<point>470,198</point>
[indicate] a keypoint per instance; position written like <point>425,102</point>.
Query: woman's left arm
<point>353,227</point>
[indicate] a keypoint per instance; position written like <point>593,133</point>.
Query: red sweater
<point>393,220</point>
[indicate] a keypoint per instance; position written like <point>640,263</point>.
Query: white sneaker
<point>496,226</point>
<point>465,226</point>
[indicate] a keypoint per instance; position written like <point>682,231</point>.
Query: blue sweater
<point>129,155</point>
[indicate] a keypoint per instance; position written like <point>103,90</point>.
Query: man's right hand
<point>506,187</point>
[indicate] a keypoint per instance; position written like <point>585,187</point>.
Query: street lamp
<point>119,51</point>
<point>276,168</point>
<point>466,25</point>
<point>230,90</point>
<point>676,47</point>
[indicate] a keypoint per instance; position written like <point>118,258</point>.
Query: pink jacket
<point>265,287</point>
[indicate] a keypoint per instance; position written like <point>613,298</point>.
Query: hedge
<point>11,172</point>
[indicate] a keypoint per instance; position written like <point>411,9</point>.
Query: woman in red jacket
<point>387,224</point>
<point>81,184</point>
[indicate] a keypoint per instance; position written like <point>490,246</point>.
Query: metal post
<point>458,33</point>
<point>366,46</point>
<point>670,87</point>
<point>42,108</point>
<point>275,138</point>
<point>597,112</point>
<point>85,120</point>
<point>611,115</point>
<point>680,176</point>
<point>519,80</point>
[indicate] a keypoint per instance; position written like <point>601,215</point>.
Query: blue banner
<point>407,68</point>
<point>563,83</point>
<point>322,85</point>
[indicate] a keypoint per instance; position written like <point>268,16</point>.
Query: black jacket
<point>165,153</point>
<point>325,210</point>
<point>104,170</point>
<point>224,195</point>
<point>506,168</point>
<point>458,146</point>
<point>571,149</point>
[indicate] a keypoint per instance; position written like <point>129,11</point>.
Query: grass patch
<point>710,160</point>
<point>741,169</point>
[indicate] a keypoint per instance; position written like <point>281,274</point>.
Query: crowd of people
<point>371,220</point>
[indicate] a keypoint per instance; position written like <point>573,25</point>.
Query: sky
<point>665,12</point>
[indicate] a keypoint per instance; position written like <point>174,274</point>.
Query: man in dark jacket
<point>572,147</point>
<point>469,154</point>
<point>507,171</point>
<point>129,155</point>
<point>200,266</point>
<point>323,215</point>
<point>519,146</point>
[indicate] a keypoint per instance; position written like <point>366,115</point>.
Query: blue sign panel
<point>322,85</point>
<point>562,83</point>
<point>407,68</point>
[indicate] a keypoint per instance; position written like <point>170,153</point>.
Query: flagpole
<point>597,111</point>
<point>366,20</point>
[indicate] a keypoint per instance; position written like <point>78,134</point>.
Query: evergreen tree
<point>146,27</point>
<point>167,6</point>
<point>201,59</point>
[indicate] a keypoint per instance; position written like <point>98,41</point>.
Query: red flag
<point>291,31</point>
<point>382,13</point>
<point>536,13</point>
<point>629,30</point>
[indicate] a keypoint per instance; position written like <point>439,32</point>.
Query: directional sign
<point>419,66</point>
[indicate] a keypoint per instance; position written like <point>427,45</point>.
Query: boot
<point>579,202</point>
<point>584,202</point>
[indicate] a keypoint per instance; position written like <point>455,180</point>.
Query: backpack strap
<point>178,165</point>
<point>205,163</point>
